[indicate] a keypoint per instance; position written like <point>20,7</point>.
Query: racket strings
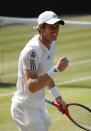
<point>80,115</point>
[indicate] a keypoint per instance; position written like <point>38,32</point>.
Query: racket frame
<point>68,115</point>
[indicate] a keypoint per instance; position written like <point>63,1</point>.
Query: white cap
<point>49,17</point>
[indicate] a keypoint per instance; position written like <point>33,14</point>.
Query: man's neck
<point>45,42</point>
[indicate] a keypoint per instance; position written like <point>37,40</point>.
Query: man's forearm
<point>38,83</point>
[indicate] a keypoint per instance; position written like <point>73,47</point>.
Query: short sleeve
<point>30,59</point>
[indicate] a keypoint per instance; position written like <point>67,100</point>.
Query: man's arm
<point>34,82</point>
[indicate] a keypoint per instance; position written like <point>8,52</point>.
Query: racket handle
<point>51,102</point>
<point>48,101</point>
<point>57,106</point>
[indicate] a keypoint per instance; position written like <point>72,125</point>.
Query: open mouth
<point>54,34</point>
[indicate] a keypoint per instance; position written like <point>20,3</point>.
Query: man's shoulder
<point>33,43</point>
<point>31,47</point>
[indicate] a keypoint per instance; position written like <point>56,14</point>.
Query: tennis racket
<point>79,114</point>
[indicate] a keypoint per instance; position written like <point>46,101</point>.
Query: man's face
<point>51,31</point>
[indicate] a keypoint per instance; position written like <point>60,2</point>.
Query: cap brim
<point>53,21</point>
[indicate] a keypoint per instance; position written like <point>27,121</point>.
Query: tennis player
<point>35,74</point>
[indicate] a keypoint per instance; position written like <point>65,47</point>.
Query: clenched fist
<point>62,64</point>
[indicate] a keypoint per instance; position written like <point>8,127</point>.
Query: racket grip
<point>48,101</point>
<point>51,102</point>
<point>58,106</point>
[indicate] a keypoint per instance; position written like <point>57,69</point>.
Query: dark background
<point>33,8</point>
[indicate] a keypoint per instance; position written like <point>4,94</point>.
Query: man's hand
<point>62,64</point>
<point>61,104</point>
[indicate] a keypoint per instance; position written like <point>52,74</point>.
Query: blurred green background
<point>74,83</point>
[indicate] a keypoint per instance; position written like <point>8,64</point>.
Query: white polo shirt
<point>34,56</point>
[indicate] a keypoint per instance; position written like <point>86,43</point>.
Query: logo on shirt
<point>33,60</point>
<point>33,54</point>
<point>55,70</point>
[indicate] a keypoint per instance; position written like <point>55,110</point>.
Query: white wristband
<point>52,72</point>
<point>54,92</point>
